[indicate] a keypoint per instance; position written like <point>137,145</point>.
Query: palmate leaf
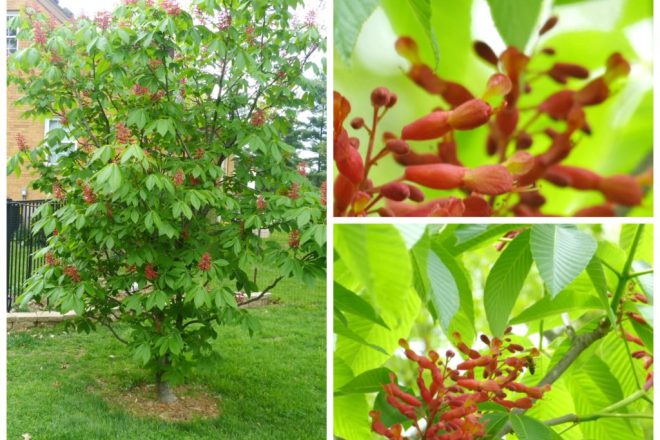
<point>378,259</point>
<point>561,253</point>
<point>594,387</point>
<point>505,281</point>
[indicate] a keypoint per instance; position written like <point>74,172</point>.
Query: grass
<point>269,386</point>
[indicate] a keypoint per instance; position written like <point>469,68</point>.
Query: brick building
<point>18,188</point>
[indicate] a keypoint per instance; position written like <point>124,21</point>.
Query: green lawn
<point>270,386</point>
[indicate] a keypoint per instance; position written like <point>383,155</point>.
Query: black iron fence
<point>21,246</point>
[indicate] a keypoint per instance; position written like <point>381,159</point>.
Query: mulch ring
<point>193,403</point>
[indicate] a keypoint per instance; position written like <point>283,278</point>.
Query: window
<point>12,41</point>
<point>64,144</point>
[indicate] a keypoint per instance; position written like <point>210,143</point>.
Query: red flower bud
<point>560,71</point>
<point>622,189</point>
<point>437,176</point>
<point>549,24</point>
<point>498,85</point>
<point>431,126</point>
<point>398,191</point>
<point>416,194</point>
<point>447,153</point>
<point>632,338</point>
<point>357,123</point>
<point>407,48</point>
<point>471,114</point>
<point>593,93</point>
<point>470,384</point>
<point>559,104</point>
<point>349,162</point>
<point>455,94</point>
<point>380,96</point>
<point>485,53</point>
<point>579,178</point>
<point>341,109</point>
<point>521,162</point>
<point>413,158</point>
<point>604,210</point>
<point>637,317</point>
<point>398,146</point>
<point>489,179</point>
<point>476,206</point>
<point>344,190</point>
<point>616,66</point>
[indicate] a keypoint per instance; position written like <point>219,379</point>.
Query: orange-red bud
<point>485,53</point>
<point>437,176</point>
<point>398,191</point>
<point>431,126</point>
<point>471,114</point>
<point>622,189</point>
<point>398,146</point>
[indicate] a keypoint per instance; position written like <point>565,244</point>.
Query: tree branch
<point>263,292</point>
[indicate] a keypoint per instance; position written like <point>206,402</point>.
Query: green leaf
<point>528,428</point>
<point>370,381</point>
<point>349,16</point>
<point>566,301</point>
<point>137,117</point>
<point>422,10</point>
<point>515,20</point>
<point>341,328</point>
<point>561,253</point>
<point>142,353</point>
<point>470,236</point>
<point>349,302</point>
<point>597,275</point>
<point>378,261</point>
<point>505,281</point>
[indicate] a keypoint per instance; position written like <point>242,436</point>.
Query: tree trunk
<point>165,392</point>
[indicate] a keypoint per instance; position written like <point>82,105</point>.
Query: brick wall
<point>33,130</point>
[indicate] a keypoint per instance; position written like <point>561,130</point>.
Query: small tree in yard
<point>149,229</point>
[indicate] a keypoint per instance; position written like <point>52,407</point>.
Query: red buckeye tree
<point>179,119</point>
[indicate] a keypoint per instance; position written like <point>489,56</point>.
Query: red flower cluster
<point>40,36</point>
<point>224,20</point>
<point>51,260</point>
<point>517,171</point>
<point>171,7</point>
<point>150,272</point>
<point>179,177</point>
<point>103,19</point>
<point>261,203</point>
<point>448,403</point>
<point>88,195</point>
<point>205,262</point>
<point>294,191</point>
<point>324,193</point>
<point>58,192</point>
<point>72,273</point>
<point>139,90</point>
<point>21,142</point>
<point>258,118</point>
<point>123,134</point>
<point>199,153</point>
<point>294,239</point>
